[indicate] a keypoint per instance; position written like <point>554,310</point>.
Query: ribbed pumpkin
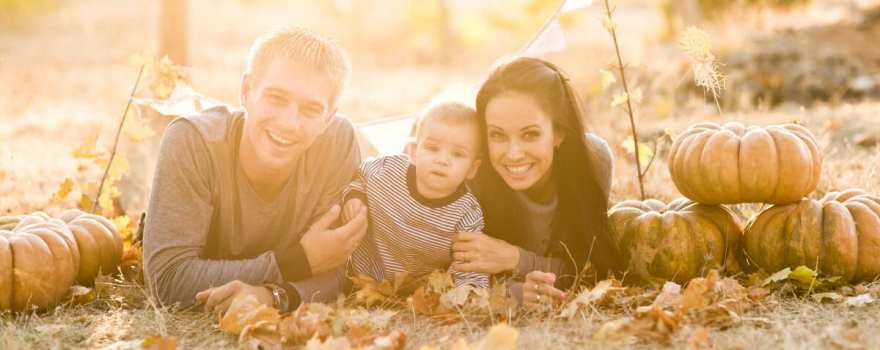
<point>839,234</point>
<point>714,164</point>
<point>675,242</point>
<point>39,260</point>
<point>100,245</point>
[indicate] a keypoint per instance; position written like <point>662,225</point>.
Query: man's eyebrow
<point>307,102</point>
<point>278,91</point>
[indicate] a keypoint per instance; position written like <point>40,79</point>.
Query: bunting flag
<point>551,38</point>
<point>571,5</point>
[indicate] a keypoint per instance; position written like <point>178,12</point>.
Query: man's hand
<point>328,248</point>
<point>351,208</point>
<point>218,299</point>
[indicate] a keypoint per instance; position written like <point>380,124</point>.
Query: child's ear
<point>474,167</point>
<point>409,148</point>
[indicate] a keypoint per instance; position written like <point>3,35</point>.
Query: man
<point>246,201</point>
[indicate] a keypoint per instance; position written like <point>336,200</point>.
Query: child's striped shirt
<point>410,233</point>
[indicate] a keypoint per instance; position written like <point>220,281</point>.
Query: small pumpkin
<point>732,163</point>
<point>100,245</point>
<point>839,235</point>
<point>678,241</point>
<point>39,260</point>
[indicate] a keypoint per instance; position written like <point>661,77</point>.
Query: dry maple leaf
<point>313,320</point>
<point>247,310</point>
<point>588,297</point>
<point>158,342</point>
<point>370,292</point>
<point>439,282</point>
<point>262,335</point>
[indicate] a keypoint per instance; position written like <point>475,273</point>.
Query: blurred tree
<point>679,14</point>
<point>15,13</point>
<point>173,30</point>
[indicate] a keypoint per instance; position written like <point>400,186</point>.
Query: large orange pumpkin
<point>100,245</point>
<point>675,242</point>
<point>714,164</point>
<point>839,235</point>
<point>39,260</point>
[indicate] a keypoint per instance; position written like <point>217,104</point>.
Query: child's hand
<point>351,208</point>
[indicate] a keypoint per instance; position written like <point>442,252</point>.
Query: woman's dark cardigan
<point>504,220</point>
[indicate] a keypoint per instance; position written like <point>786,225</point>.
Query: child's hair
<point>448,112</point>
<point>302,46</point>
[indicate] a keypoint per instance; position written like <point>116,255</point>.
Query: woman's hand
<point>218,299</point>
<point>476,252</point>
<point>538,290</point>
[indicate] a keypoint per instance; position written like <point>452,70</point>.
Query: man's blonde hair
<point>302,46</point>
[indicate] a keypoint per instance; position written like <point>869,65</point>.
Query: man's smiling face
<point>288,106</point>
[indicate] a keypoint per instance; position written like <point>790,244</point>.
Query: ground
<point>67,73</point>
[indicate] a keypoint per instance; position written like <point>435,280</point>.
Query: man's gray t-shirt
<point>207,226</point>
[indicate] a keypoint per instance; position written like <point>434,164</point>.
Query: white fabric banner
<point>571,5</point>
<point>550,39</point>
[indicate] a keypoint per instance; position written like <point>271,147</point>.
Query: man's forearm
<point>177,279</point>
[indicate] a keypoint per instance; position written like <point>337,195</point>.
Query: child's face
<point>446,155</point>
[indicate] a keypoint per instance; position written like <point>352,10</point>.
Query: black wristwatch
<point>279,296</point>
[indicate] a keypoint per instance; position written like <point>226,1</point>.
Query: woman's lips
<point>519,169</point>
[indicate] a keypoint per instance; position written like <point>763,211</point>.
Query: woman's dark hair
<point>582,194</point>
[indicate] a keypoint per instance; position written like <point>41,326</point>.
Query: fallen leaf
<point>457,297</point>
<point>859,300</point>
<point>309,321</point>
<point>500,337</point>
<point>670,295</point>
<point>81,295</point>
<point>803,275</point>
<point>589,296</point>
<point>439,282</point>
<point>247,310</point>
<point>778,276</point>
<point>158,342</point>
<point>819,297</point>
<point>369,292</point>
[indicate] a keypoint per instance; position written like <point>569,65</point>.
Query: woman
<point>543,187</point>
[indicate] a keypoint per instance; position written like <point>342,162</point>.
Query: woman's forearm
<point>529,261</point>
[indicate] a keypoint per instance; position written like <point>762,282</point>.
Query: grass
<point>71,75</point>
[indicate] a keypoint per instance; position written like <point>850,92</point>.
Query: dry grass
<point>68,73</point>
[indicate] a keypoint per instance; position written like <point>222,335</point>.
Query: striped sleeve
<point>361,179</point>
<point>471,221</point>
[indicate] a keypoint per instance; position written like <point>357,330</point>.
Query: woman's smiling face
<point>521,139</point>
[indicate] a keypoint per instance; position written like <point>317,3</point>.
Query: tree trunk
<point>173,29</point>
